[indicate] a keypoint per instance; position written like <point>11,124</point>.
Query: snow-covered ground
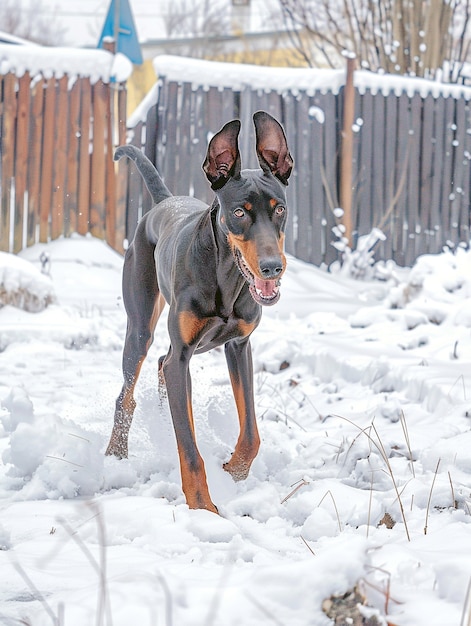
<point>363,394</point>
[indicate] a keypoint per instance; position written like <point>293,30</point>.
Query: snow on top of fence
<point>96,64</point>
<point>391,83</point>
<point>236,75</point>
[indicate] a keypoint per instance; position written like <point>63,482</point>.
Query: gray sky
<point>82,20</point>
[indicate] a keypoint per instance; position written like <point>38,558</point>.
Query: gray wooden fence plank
<point>228,105</point>
<point>201,188</point>
<point>436,208</point>
<point>134,188</point>
<point>304,240</point>
<point>399,235</point>
<point>183,174</point>
<point>364,185</point>
<point>331,155</point>
<point>159,150</point>
<point>447,163</point>
<point>169,137</point>
<point>426,171</point>
<point>413,183</point>
<point>387,222</point>
<point>378,198</point>
<point>247,137</point>
<point>466,185</point>
<point>291,193</point>
<point>458,174</point>
<point>312,170</point>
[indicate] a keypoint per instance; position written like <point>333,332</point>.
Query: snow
<point>281,79</point>
<point>236,75</point>
<point>96,64</point>
<point>363,401</point>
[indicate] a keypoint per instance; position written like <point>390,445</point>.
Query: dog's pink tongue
<point>266,287</point>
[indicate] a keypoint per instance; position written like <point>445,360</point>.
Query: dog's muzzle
<point>264,291</point>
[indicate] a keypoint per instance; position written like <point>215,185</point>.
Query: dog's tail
<point>156,186</point>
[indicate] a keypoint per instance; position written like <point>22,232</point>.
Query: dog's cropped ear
<point>272,148</point>
<point>223,159</point>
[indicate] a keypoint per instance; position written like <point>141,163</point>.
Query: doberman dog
<point>214,266</point>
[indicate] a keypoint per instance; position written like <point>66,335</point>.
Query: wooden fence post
<point>346,162</point>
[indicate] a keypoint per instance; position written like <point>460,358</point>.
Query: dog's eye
<point>239,212</point>
<point>279,210</point>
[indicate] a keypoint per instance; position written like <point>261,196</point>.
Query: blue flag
<point>125,34</point>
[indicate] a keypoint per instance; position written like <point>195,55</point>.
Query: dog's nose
<point>271,268</point>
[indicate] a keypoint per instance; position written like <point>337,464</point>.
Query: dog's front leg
<point>239,362</point>
<point>176,374</point>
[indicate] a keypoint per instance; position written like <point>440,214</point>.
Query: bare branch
<point>415,37</point>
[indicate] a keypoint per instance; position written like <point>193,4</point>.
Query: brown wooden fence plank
<point>21,158</point>
<point>47,160</point>
<point>84,194</point>
<point>34,159</point>
<point>73,159</point>
<point>8,156</point>
<point>110,175</point>
<point>60,158</point>
<point>122,177</point>
<point>98,162</point>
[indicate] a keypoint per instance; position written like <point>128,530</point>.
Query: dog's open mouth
<point>265,292</point>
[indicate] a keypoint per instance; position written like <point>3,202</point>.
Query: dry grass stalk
<point>430,497</point>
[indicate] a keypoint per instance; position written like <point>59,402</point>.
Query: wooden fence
<point>409,162</point>
<point>410,159</point>
<point>57,171</point>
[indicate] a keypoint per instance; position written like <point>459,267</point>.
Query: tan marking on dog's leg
<point>190,326</point>
<point>248,442</point>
